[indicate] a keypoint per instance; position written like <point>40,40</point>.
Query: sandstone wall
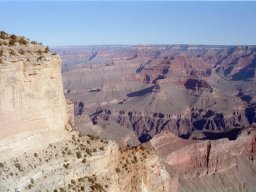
<point>31,92</point>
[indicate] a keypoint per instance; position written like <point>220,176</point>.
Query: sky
<point>58,23</point>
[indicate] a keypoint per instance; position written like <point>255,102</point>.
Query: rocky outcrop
<point>209,165</point>
<point>31,91</point>
<point>146,125</point>
<point>81,163</point>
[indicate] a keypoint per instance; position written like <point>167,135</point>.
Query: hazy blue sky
<point>89,23</point>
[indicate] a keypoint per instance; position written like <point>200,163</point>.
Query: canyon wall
<point>41,151</point>
<point>216,165</point>
<point>31,91</point>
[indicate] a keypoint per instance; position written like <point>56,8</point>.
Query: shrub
<point>35,155</point>
<point>30,186</point>
<point>23,41</point>
<point>14,37</point>
<point>12,42</point>
<point>3,35</point>
<point>118,170</point>
<point>102,148</point>
<point>12,52</point>
<point>1,165</point>
<point>47,50</point>
<point>97,187</point>
<point>84,160</point>
<point>66,165</point>
<point>88,151</point>
<point>18,166</point>
<point>39,52</point>
<point>78,154</point>
<point>21,51</point>
<point>1,53</point>
<point>39,58</point>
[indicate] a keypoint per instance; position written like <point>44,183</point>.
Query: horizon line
<point>145,45</point>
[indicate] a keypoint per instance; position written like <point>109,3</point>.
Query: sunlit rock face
<point>31,91</point>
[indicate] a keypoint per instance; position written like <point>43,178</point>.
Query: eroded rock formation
<point>214,165</point>
<point>193,87</point>
<point>39,149</point>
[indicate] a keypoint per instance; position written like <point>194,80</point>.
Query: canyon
<point>41,150</point>
<point>143,118</point>
<point>184,89</point>
<point>194,104</point>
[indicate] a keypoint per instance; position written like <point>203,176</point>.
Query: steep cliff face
<point>217,165</point>
<point>31,91</point>
<point>147,124</point>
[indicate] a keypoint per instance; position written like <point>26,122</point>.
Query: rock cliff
<point>31,99</point>
<point>216,165</point>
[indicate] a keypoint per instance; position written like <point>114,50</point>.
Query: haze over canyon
<point>142,118</point>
